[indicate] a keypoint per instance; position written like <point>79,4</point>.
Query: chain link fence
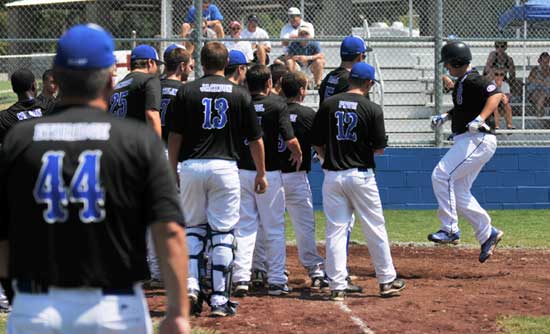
<point>403,34</point>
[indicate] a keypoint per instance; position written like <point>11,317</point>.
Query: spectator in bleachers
<point>498,78</point>
<point>538,83</point>
<point>306,54</point>
<point>261,49</point>
<point>235,71</point>
<point>278,71</point>
<point>295,21</point>
<point>206,32</point>
<point>500,59</point>
<point>235,29</point>
<point>211,15</point>
<point>49,88</point>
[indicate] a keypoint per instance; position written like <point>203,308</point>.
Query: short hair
<point>87,84</point>
<point>138,63</point>
<point>292,82</point>
<point>277,72</point>
<point>355,82</point>
<point>22,80</point>
<point>214,56</point>
<point>47,73</point>
<point>230,70</point>
<point>349,57</point>
<point>175,58</point>
<point>257,77</point>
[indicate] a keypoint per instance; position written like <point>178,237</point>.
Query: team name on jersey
<point>333,80</point>
<point>21,116</point>
<point>169,91</point>
<point>259,107</point>
<point>347,105</point>
<point>216,88</point>
<point>293,118</point>
<point>71,131</point>
<point>124,83</point>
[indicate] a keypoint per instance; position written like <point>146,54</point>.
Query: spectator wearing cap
<point>352,51</point>
<point>211,16</point>
<point>538,83</point>
<point>235,29</point>
<point>138,94</point>
<point>192,35</point>
<point>306,54</point>
<point>235,71</point>
<point>261,49</point>
<point>295,21</point>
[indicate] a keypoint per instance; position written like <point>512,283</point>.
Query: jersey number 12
<point>346,123</point>
<point>85,188</point>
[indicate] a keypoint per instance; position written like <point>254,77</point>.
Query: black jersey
<point>20,111</point>
<point>335,82</point>
<point>351,127</point>
<point>272,115</point>
<point>301,119</point>
<point>78,190</point>
<point>213,115</point>
<point>47,101</point>
<point>169,90</point>
<point>135,94</point>
<point>470,93</point>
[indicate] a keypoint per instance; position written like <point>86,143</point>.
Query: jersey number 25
<point>85,188</point>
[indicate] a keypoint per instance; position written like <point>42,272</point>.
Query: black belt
<point>35,288</point>
<point>362,169</point>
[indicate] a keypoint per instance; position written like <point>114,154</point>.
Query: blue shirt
<point>210,14</point>
<point>296,49</point>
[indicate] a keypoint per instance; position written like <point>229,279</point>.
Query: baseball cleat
<point>259,278</point>
<point>489,246</point>
<point>195,302</point>
<point>337,295</point>
<point>318,283</point>
<point>278,289</point>
<point>443,237</point>
<point>392,289</point>
<point>227,309</point>
<point>241,289</point>
<point>352,288</point>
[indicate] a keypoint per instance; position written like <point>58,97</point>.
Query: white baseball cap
<point>294,11</point>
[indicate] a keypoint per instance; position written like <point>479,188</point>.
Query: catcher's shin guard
<point>223,248</point>
<point>196,241</point>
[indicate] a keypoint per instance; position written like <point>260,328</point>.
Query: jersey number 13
<point>85,188</point>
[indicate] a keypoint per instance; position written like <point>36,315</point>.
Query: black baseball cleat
<point>195,302</point>
<point>352,288</point>
<point>392,289</point>
<point>318,283</point>
<point>225,310</point>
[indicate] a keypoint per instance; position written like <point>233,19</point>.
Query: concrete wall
<point>516,178</point>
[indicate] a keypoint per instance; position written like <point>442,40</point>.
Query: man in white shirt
<point>295,21</point>
<point>235,29</point>
<point>254,31</point>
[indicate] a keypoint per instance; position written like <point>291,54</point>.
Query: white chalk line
<point>356,320</point>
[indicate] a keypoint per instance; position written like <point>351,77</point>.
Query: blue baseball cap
<point>237,57</point>
<point>353,45</point>
<point>85,47</point>
<point>170,48</point>
<point>362,71</point>
<point>145,51</point>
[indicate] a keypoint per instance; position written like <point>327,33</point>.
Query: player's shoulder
<point>170,83</point>
<point>301,110</point>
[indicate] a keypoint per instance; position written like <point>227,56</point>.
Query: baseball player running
<point>298,197</point>
<point>209,120</point>
<point>347,131</point>
<point>268,209</point>
<point>138,94</point>
<point>91,185</point>
<point>474,99</point>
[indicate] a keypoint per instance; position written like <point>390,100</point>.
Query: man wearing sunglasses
<point>500,59</point>
<point>235,29</point>
<point>295,21</point>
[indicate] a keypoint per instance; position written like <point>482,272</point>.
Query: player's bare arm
<point>174,145</point>
<point>490,106</point>
<point>153,119</point>
<point>295,152</point>
<point>171,248</point>
<point>258,155</point>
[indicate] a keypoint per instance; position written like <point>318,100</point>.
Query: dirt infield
<point>448,291</point>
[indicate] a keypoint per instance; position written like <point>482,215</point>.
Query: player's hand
<point>296,159</point>
<point>174,325</point>
<point>438,120</point>
<point>260,184</point>
<point>477,124</point>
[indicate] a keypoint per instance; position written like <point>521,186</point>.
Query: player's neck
<point>220,72</point>
<point>27,96</point>
<point>99,102</point>
<point>173,76</point>
<point>296,99</point>
<point>357,90</point>
<point>141,70</point>
<point>347,65</point>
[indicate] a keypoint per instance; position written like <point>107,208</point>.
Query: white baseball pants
<point>452,180</point>
<point>343,193</point>
<point>152,258</point>
<point>79,311</point>
<point>267,210</point>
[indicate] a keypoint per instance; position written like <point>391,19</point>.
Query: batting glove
<point>438,120</point>
<point>477,124</point>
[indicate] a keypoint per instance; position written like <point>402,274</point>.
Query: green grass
<point>525,325</point>
<point>523,228</point>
